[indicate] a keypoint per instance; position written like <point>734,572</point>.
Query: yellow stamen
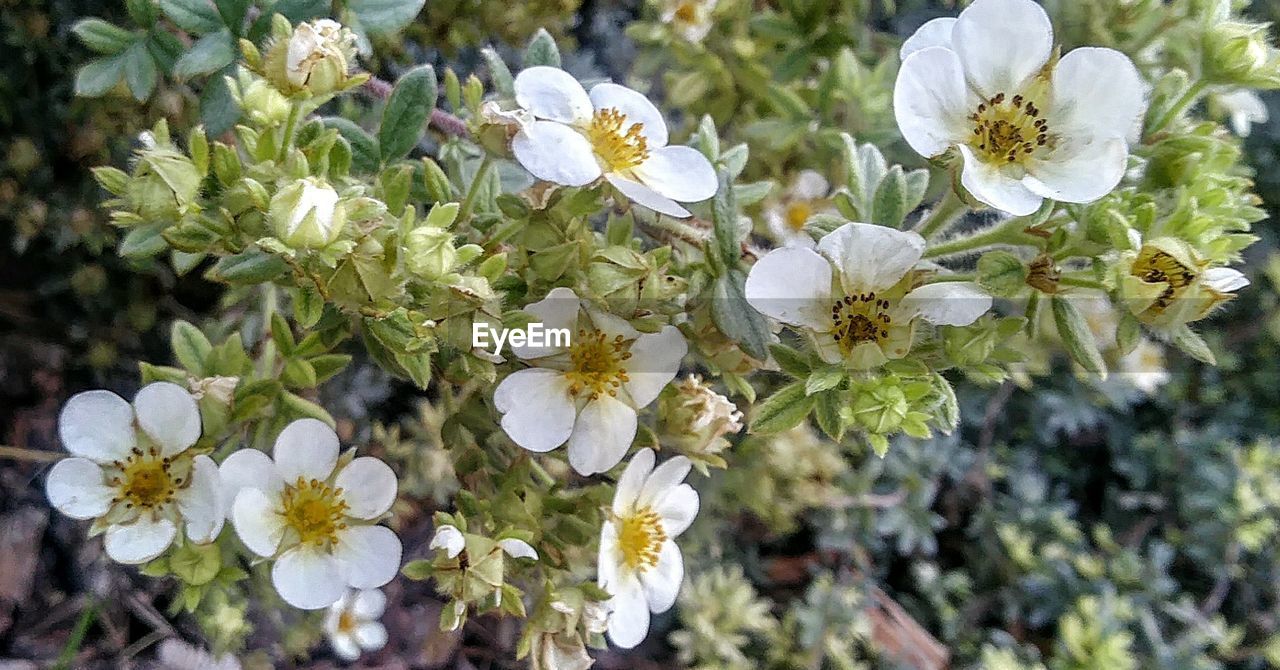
<point>598,364</point>
<point>314,511</point>
<point>1154,267</point>
<point>798,213</point>
<point>640,538</point>
<point>1009,129</point>
<point>618,143</point>
<point>146,480</point>
<point>860,318</point>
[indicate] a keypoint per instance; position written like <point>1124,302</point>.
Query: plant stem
<point>290,126</point>
<point>33,455</point>
<point>469,202</point>
<point>267,364</point>
<point>946,212</point>
<point>1008,232</point>
<point>1082,282</point>
<point>1189,97</point>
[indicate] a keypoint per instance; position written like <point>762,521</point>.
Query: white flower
<point>587,393</point>
<point>317,520</point>
<point>691,19</point>
<point>318,55</point>
<point>857,294</point>
<point>174,654</point>
<point>805,197</point>
<point>1026,128</point>
<point>640,564</point>
<point>1144,367</point>
<point>615,132</point>
<point>1164,282</point>
<point>352,624</point>
<point>133,472</point>
<point>449,539</point>
<point>1244,108</point>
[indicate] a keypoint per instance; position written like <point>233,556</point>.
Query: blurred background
<point>1072,524</point>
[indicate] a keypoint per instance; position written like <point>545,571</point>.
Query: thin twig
<point>32,455</point>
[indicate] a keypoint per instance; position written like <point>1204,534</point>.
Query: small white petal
<point>636,107</point>
<point>935,33</point>
<point>632,481</point>
<point>371,635</point>
<point>1244,108</point>
<point>629,623</point>
<point>168,415</point>
<point>450,539</point>
<point>308,578</point>
<point>792,285</point>
<point>607,560</point>
<point>97,425</point>
<point>140,541</point>
<point>663,479</point>
<point>76,488</point>
<point>306,448</point>
<point>646,197</point>
<point>662,582</point>
<point>345,646</point>
<point>1002,44</point>
<point>559,310</point>
<point>369,604</point>
<point>369,556</point>
<point>655,360</point>
<point>931,101</point>
<point>552,93</point>
<point>1079,171</point>
<point>556,153</point>
<point>368,487</point>
<point>247,468</point>
<point>257,520</point>
<point>601,436</point>
<point>950,303</point>
<point>1097,93</point>
<point>809,185</point>
<point>871,257</point>
<point>612,326</point>
<point>517,548</point>
<point>677,509</point>
<point>682,174</point>
<point>537,410</point>
<point>1225,280</point>
<point>201,503</point>
<point>995,189</point>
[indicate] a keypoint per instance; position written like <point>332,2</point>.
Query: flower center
<point>1008,130</point>
<point>860,318</point>
<point>597,364</point>
<point>687,12</point>
<point>346,622</point>
<point>618,143</point>
<point>640,538</point>
<point>314,511</point>
<point>798,213</point>
<point>146,480</point>
<point>1154,267</point>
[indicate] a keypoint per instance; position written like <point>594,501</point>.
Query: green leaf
<point>826,410</point>
<point>783,410</point>
<point>190,347</point>
<point>365,156</point>
<point>1076,336</point>
<point>889,207</point>
<point>143,12</point>
<point>249,267</point>
<point>140,71</point>
<point>208,55</point>
<point>824,379</point>
<point>724,216</point>
<point>143,242</point>
<point>282,334</point>
<point>298,374</point>
<point>103,37</point>
<point>302,408</point>
<point>419,570</point>
<point>499,73</point>
<point>99,76</point>
<point>218,110</point>
<point>193,16</point>
<point>233,13</point>
<point>382,17</point>
<point>1193,345</point>
<point>791,361</point>
<point>737,319</point>
<point>406,113</point>
<point>328,365</point>
<point>542,50</point>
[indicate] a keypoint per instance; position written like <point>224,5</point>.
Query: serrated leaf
<point>405,116</point>
<point>783,410</point>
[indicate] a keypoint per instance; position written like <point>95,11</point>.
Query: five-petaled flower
<point>315,514</point>
<point>806,196</point>
<point>858,295</point>
<point>640,565</point>
<point>588,392</point>
<point>1164,283</point>
<point>132,470</point>
<point>1027,124</point>
<point>613,131</point>
<point>352,625</point>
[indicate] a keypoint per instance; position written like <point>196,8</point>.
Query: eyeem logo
<point>533,335</point>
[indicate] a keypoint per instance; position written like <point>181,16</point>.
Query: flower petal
<point>75,486</point>
<point>450,539</point>
<point>97,425</point>
<point>601,435</point>
<point>1078,171</point>
<point>247,468</point>
<point>369,556</point>
<point>371,635</point>
<point>636,107</point>
<point>517,548</point>
<point>629,622</point>
<point>308,578</point>
<point>257,521</point>
<point>345,646</point>
<point>677,508</point>
<point>537,411</point>
<point>680,173</point>
<point>201,503</point>
<point>792,285</point>
<point>655,360</point>
<point>369,604</point>
<point>948,303</point>
<point>1002,44</point>
<point>809,185</point>
<point>140,541</point>
<point>1224,280</point>
<point>663,479</point>
<point>931,101</point>
<point>558,310</point>
<point>995,189</point>
<point>168,415</point>
<point>632,481</point>
<point>871,257</point>
<point>556,153</point>
<point>646,197</point>
<point>935,33</point>
<point>662,582</point>
<point>607,560</point>
<point>1097,93</point>
<point>552,93</point>
<point>368,487</point>
<point>306,448</point>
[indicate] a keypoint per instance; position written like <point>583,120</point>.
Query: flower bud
<point>308,214</point>
<point>1239,53</point>
<point>314,58</point>
<point>164,183</point>
<point>695,420</point>
<point>263,103</point>
<point>431,253</point>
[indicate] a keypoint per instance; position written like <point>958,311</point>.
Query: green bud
<point>263,104</point>
<point>308,214</point>
<point>1238,53</point>
<point>226,164</point>
<point>1001,273</point>
<point>314,59</point>
<point>436,181</point>
<point>244,195</point>
<point>430,252</point>
<point>113,180</point>
<point>879,406</point>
